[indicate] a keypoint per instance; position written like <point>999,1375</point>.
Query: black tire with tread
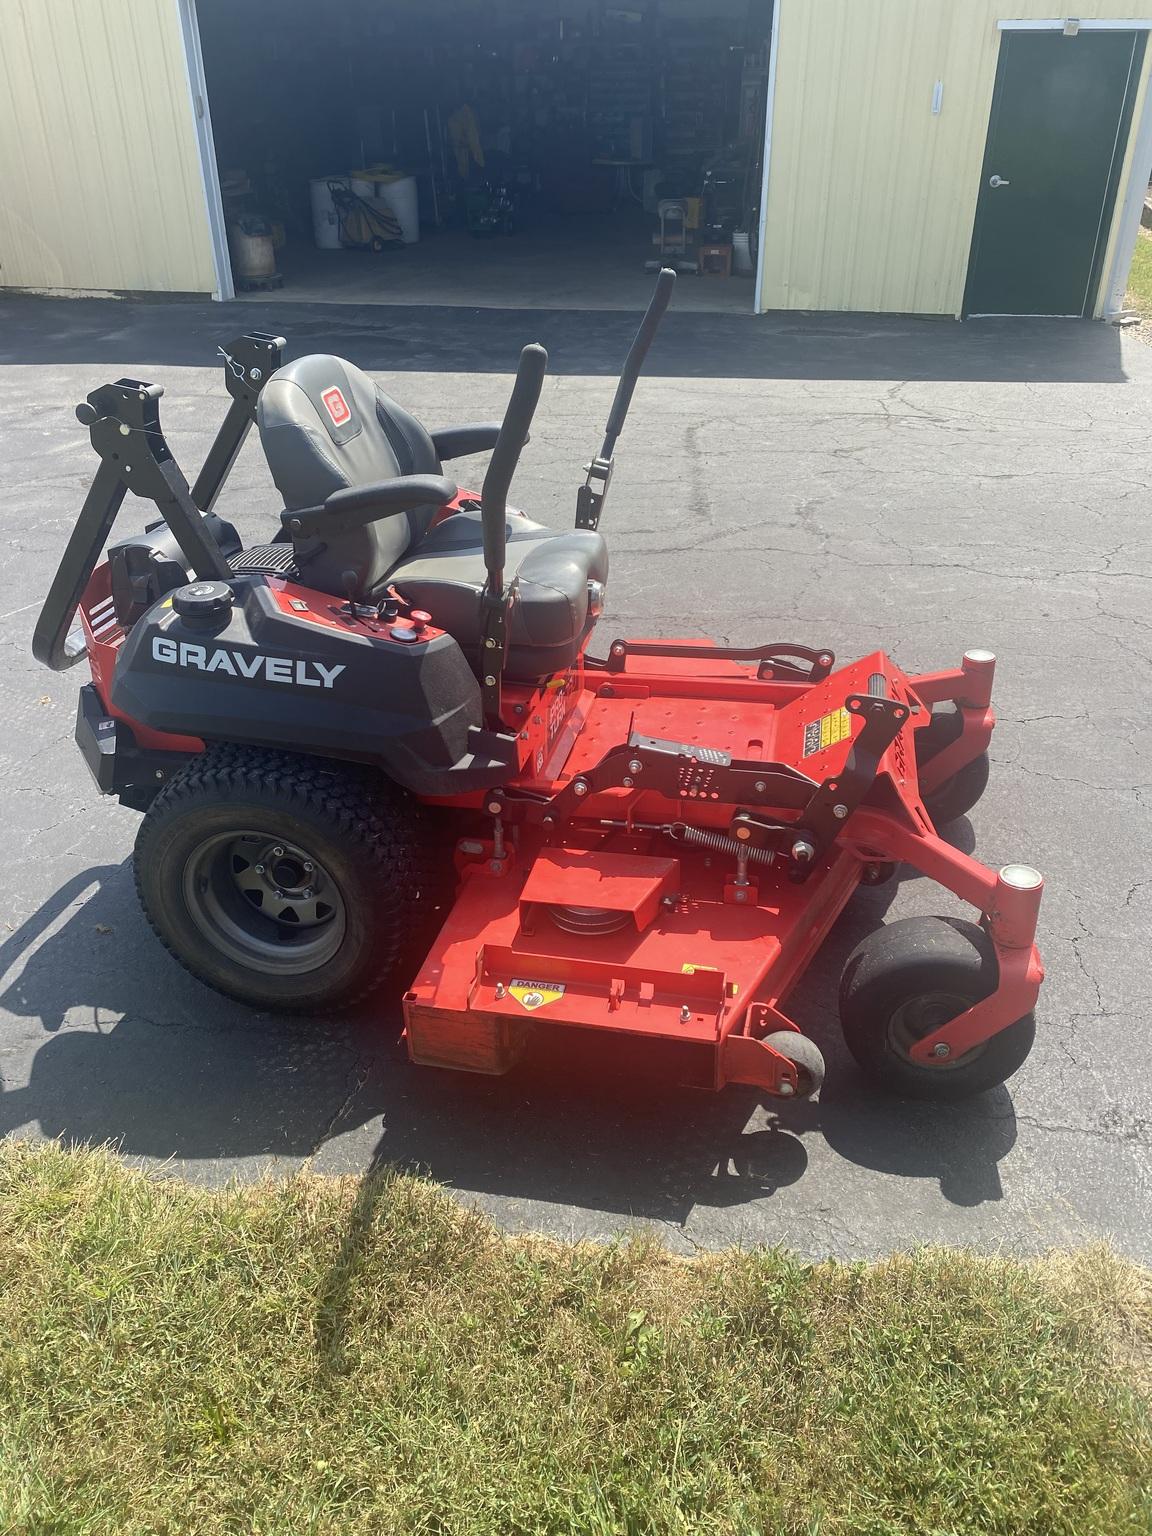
<point>370,833</point>
<point>915,957</point>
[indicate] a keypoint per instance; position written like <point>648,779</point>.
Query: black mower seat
<point>326,427</point>
<point>559,587</point>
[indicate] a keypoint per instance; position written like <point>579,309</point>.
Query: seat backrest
<point>324,426</point>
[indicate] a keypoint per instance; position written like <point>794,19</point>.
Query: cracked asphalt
<point>914,485</point>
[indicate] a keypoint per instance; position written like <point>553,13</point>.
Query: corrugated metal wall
<point>871,198</point>
<point>100,183</point>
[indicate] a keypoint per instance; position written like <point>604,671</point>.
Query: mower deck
<point>687,965</point>
<point>635,917</point>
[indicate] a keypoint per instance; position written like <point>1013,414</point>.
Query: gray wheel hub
<point>920,1016</point>
<point>267,904</point>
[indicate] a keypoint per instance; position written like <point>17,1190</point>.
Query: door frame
<point>766,166</point>
<point>1128,202</point>
<point>209,174</point>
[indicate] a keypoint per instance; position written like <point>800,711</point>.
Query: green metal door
<point>1056,139</point>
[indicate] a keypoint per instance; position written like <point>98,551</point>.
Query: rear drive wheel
<point>901,983</point>
<point>960,792</point>
<point>283,881</point>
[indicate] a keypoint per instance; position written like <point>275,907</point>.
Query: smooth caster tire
<point>805,1056</point>
<point>907,979</point>
<point>959,793</point>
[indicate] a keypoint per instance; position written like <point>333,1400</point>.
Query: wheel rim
<point>265,903</point>
<point>922,1015</point>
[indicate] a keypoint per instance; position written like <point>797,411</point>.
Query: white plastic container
<point>325,219</point>
<point>742,263</point>
<point>399,194</point>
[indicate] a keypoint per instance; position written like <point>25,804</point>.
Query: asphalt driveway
<point>916,485</point>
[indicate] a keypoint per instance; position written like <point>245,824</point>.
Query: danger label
<point>336,406</point>
<point>535,994</point>
<point>826,732</point>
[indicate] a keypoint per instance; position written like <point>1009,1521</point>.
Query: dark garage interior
<point>489,153</point>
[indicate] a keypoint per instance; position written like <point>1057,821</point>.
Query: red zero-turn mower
<point>653,845</point>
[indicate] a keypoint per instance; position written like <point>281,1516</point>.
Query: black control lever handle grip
<point>637,352</point>
<point>506,455</point>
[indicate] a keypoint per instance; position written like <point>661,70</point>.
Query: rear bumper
<point>100,739</point>
<point>117,764</point>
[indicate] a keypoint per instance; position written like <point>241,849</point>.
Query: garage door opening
<point>489,153</point>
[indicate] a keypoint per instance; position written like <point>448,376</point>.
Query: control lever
<point>357,612</point>
<point>591,496</point>
<point>493,521</point>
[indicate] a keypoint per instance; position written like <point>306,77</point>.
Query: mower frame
<point>691,818</point>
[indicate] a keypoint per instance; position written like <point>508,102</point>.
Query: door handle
<point>998,181</point>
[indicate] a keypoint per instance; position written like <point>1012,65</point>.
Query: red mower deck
<point>704,944</point>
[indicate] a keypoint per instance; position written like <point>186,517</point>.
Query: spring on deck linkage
<point>718,842</point>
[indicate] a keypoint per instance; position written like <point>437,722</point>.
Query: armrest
<point>457,442</point>
<point>360,505</point>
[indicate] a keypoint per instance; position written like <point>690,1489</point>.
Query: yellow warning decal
<point>535,994</point>
<point>827,732</point>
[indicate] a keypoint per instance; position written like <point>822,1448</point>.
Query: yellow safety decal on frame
<point>535,994</point>
<point>827,732</point>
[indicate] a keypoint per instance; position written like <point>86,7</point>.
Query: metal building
<point>939,157</point>
<point>946,157</point>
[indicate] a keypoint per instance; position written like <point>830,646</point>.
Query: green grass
<point>1139,296</point>
<point>330,1357</point>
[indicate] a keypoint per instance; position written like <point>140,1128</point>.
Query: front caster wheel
<point>901,983</point>
<point>805,1056</point>
<point>960,792</point>
<point>877,872</point>
<point>285,882</point>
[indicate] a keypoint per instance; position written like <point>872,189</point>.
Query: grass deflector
<point>383,728</point>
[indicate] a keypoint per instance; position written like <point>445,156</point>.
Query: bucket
<point>252,251</point>
<point>399,192</point>
<point>742,263</point>
<point>325,223</point>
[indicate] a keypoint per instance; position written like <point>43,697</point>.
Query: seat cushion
<point>445,576</point>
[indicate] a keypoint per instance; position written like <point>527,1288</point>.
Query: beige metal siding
<point>100,184</point>
<point>871,198</point>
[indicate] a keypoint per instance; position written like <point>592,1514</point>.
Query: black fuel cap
<point>203,604</point>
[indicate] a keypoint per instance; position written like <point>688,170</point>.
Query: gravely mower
<point>653,845</point>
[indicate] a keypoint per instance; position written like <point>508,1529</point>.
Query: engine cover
<point>288,667</point>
